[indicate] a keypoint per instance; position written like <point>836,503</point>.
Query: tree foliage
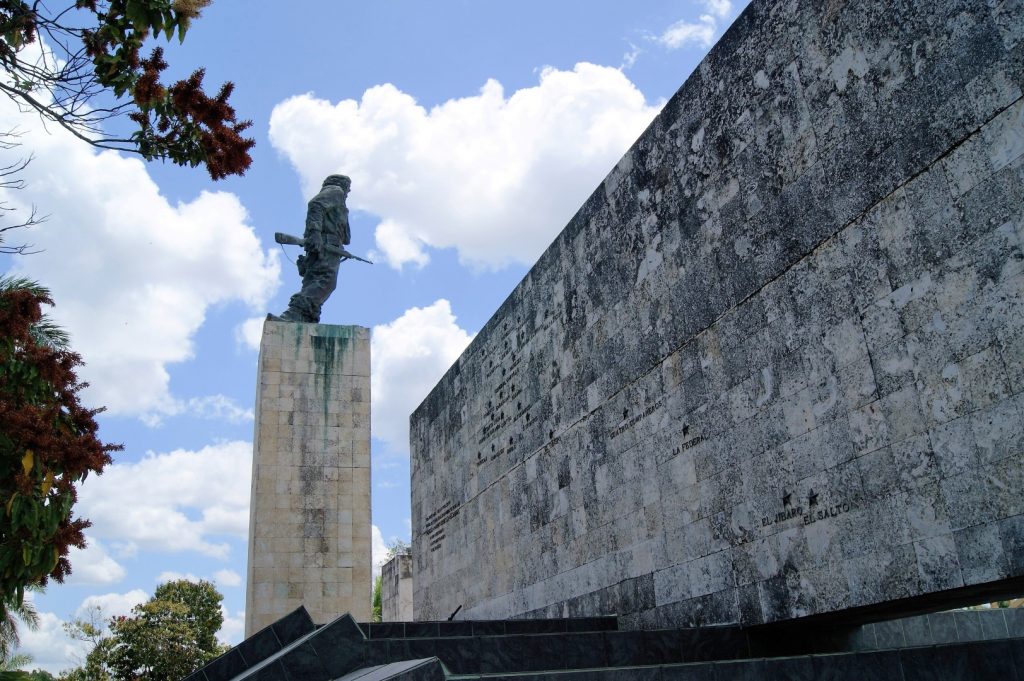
<point>9,179</point>
<point>164,639</point>
<point>48,444</point>
<point>11,614</point>
<point>377,603</point>
<point>89,50</point>
<point>91,630</point>
<point>398,547</point>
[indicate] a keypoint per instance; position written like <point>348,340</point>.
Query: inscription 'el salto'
<point>812,514</point>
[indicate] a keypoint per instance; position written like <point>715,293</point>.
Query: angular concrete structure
<point>309,527</point>
<point>774,366</point>
<point>396,589</point>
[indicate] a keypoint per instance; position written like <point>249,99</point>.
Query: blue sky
<point>472,131</point>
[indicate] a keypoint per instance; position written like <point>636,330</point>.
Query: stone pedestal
<point>309,523</point>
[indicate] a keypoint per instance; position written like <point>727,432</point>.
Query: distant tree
<point>398,548</point>
<point>48,444</point>
<point>166,638</point>
<point>9,179</point>
<point>12,670</point>
<point>377,613</point>
<point>202,601</point>
<point>40,675</point>
<point>11,667</point>
<point>90,630</point>
<point>86,68</point>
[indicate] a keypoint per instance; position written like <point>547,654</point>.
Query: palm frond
<point>10,614</point>
<point>45,331</point>
<point>10,667</point>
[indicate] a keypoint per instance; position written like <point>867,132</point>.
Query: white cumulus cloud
<point>176,501</point>
<point>132,273</point>
<point>50,647</point>
<point>220,578</point>
<point>408,357</point>
<point>227,578</point>
<point>233,629</point>
<point>378,550</point>
<point>720,8</point>
<point>682,33</point>
<point>494,176</point>
<point>701,32</point>
<point>173,576</point>
<point>110,605</point>
<point>92,565</point>
<point>218,407</point>
<point>249,333</point>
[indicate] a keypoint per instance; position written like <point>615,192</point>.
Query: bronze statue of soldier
<point>324,239</point>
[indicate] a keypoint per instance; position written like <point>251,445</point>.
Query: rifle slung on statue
<point>289,240</point>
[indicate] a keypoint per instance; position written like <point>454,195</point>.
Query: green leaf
<point>182,30</point>
<point>136,13</point>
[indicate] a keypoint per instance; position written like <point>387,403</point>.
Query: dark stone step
<point>410,670</point>
<point>377,630</point>
<point>263,644</point>
<point>1001,660</point>
<point>533,652</point>
<point>292,649</point>
<point>309,653</point>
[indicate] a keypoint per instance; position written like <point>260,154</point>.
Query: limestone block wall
<point>396,589</point>
<point>773,366</point>
<point>309,526</point>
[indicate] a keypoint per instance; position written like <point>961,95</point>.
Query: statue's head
<point>339,180</point>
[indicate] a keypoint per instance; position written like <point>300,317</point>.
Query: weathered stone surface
<point>396,589</point>
<point>773,366</point>
<point>309,523</point>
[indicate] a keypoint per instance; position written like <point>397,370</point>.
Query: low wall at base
<point>773,367</point>
<point>396,589</point>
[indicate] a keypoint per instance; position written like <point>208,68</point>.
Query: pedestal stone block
<point>309,522</point>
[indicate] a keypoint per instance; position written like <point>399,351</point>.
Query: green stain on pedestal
<point>329,345</point>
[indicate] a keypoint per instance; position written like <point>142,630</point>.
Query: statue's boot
<point>294,315</point>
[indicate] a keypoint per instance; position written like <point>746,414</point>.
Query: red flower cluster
<point>48,444</point>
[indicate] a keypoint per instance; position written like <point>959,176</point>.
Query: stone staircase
<point>947,646</point>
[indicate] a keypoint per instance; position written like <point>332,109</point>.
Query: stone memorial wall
<point>773,366</point>
<point>309,522</point>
